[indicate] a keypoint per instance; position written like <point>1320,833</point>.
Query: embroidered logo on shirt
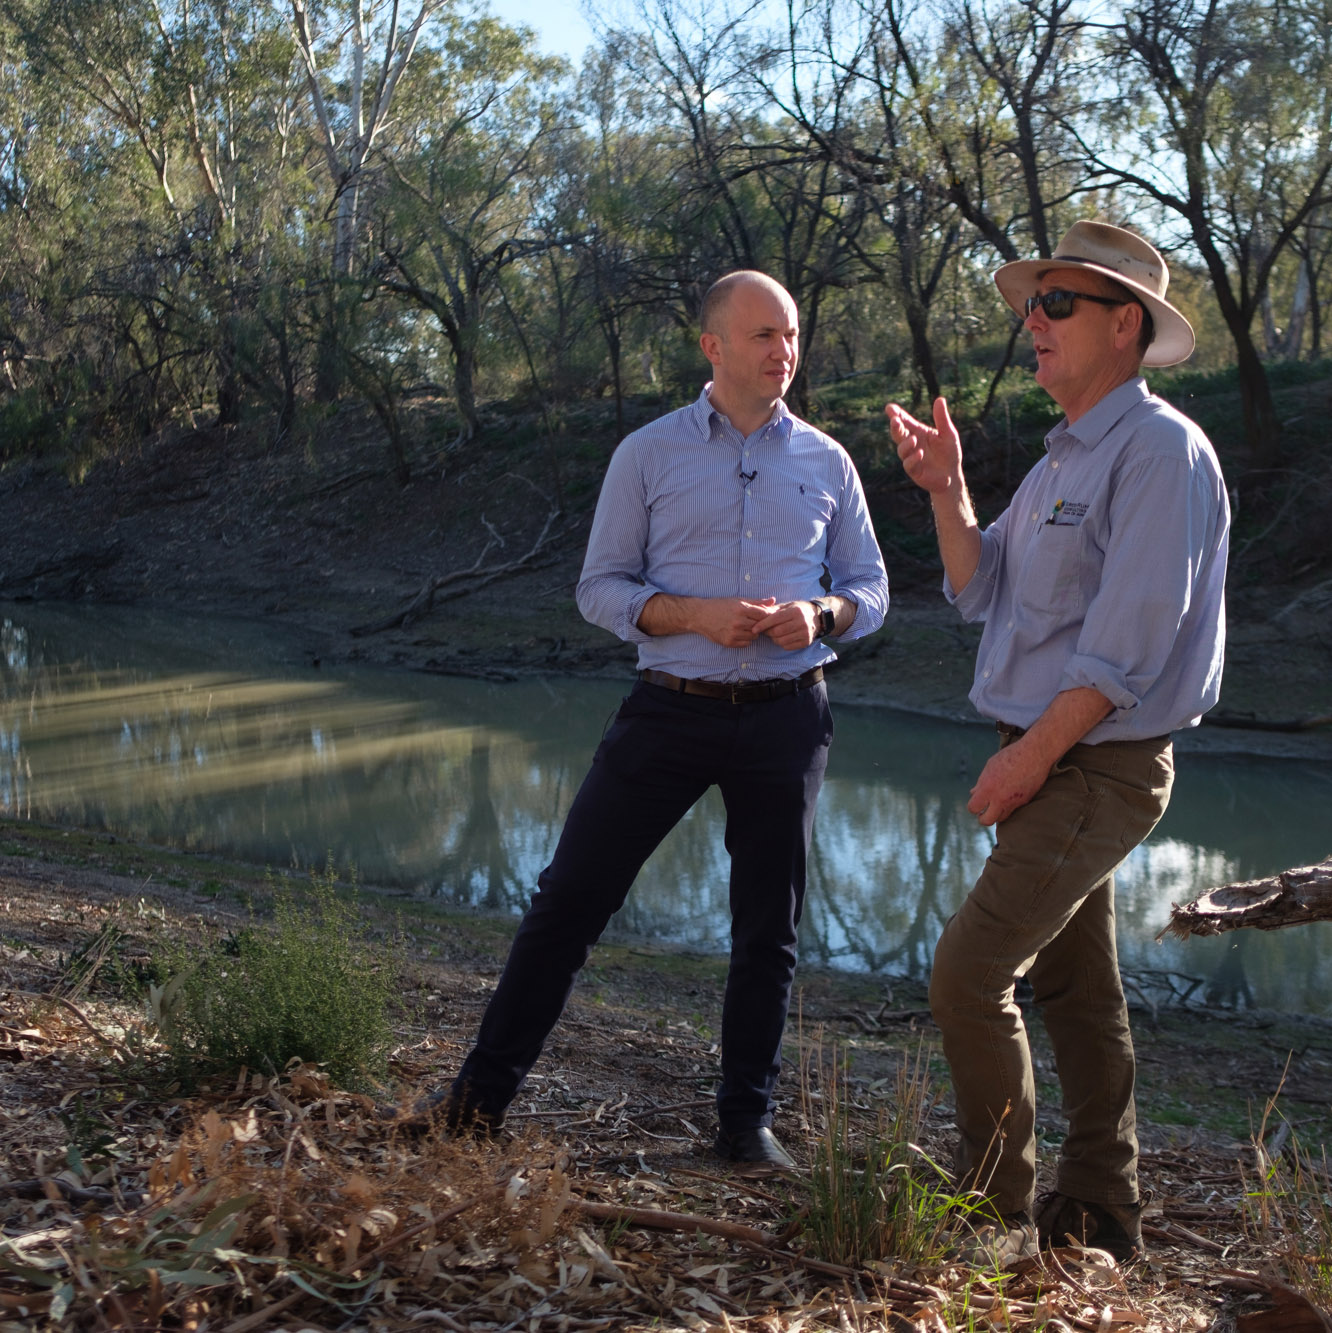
<point>1066,514</point>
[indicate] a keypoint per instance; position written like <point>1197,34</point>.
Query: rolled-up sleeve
<point>974,601</point>
<point>855,563</point>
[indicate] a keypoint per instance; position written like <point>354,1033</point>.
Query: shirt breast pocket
<point>1051,579</point>
<point>811,511</point>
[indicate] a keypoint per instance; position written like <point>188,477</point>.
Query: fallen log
<point>1291,898</point>
<point>461,581</point>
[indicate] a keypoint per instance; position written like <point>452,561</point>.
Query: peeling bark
<point>1291,898</point>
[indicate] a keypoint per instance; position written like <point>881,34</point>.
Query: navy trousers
<point>662,751</point>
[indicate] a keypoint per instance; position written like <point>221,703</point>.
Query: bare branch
<point>477,575</point>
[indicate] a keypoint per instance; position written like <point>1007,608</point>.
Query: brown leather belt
<point>736,692</point>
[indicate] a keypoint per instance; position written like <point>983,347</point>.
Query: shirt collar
<point>778,425</point>
<point>1092,427</point>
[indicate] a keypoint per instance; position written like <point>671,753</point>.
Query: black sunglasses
<point>1059,304</point>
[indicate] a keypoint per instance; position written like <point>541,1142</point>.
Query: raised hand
<point>931,455</point>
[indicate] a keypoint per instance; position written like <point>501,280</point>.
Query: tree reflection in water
<point>479,852</point>
<point>206,737</point>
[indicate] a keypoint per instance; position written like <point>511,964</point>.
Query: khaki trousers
<point>1044,906</point>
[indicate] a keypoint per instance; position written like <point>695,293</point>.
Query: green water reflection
<point>215,737</point>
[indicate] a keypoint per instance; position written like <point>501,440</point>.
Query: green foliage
<point>30,426</point>
<point>881,1196</point>
<point>304,988</point>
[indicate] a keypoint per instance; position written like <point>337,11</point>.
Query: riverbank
<point>610,1149</point>
<point>323,549</point>
<point>486,544</point>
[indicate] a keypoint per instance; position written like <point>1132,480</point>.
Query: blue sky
<point>560,25</point>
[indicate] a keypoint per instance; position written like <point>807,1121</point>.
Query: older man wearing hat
<point>1101,589</point>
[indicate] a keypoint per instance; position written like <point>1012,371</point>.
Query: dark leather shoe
<point>443,1110</point>
<point>758,1145</point>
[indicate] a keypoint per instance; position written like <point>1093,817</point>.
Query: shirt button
<point>986,674</point>
<point>1054,464</point>
<point>1010,624</point>
<point>750,533</point>
<point>1034,516</point>
<point>746,578</point>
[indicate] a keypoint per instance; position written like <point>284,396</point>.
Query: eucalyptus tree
<point>184,115</point>
<point>463,190</point>
<point>750,193</point>
<point>1218,125</point>
<point>613,200</point>
<point>100,215</point>
<point>995,86</point>
<point>1312,241</point>
<point>1312,246</point>
<point>34,176</point>
<point>355,55</point>
<point>950,122</point>
<point>841,87</point>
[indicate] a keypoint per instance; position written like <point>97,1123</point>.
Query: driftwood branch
<point>459,582</point>
<point>1291,898</point>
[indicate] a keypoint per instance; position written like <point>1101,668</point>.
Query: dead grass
<point>286,1203</point>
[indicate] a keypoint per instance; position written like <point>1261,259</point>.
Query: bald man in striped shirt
<point>731,540</point>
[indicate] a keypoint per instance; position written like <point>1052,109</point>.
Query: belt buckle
<point>734,696</point>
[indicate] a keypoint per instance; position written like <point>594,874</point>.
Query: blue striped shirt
<point>691,508</point>
<point>1107,571</point>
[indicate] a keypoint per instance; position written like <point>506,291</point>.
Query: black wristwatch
<point>827,621</point>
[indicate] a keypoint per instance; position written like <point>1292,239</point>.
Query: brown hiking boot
<point>1113,1227</point>
<point>996,1243</point>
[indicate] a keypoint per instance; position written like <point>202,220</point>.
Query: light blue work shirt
<point>1107,570</point>
<point>692,508</point>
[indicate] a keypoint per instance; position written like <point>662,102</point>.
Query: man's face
<point>1074,354</point>
<point>755,350</point>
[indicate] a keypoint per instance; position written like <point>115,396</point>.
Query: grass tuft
<point>1288,1208</point>
<point>877,1195</point>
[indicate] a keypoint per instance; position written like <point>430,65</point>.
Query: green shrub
<point>303,988</point>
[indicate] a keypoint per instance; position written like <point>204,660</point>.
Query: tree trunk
<point>921,352</point>
<point>464,389</point>
<point>1262,426</point>
<point>1299,311</point>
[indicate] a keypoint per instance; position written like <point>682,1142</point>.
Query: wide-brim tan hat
<point>1118,254</point>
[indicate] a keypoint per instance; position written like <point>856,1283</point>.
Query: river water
<point>213,736</point>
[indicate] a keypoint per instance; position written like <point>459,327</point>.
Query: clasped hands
<point>737,622</point>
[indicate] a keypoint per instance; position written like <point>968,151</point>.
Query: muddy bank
<point>321,544</point>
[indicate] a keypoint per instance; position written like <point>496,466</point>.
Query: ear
<point>711,345</point>
<point>1128,325</point>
